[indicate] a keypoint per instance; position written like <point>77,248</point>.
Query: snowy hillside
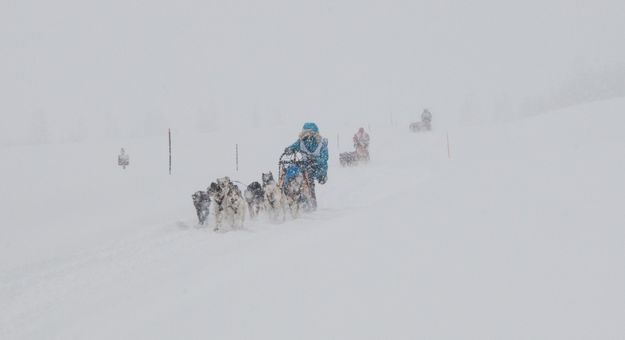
<point>520,235</point>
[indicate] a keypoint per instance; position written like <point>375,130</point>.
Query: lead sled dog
<point>230,206</point>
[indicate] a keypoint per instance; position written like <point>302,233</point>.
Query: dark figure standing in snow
<point>314,149</point>
<point>426,116</point>
<point>123,159</point>
<point>201,201</point>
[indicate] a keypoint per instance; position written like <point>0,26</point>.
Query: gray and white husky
<point>230,206</point>
<point>275,200</point>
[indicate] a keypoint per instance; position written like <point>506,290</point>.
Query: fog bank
<point>76,70</point>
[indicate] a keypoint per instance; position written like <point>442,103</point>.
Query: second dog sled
<point>353,158</point>
<point>421,126</point>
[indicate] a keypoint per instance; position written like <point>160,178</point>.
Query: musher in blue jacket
<point>314,150</point>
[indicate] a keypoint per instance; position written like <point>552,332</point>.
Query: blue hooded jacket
<point>315,148</point>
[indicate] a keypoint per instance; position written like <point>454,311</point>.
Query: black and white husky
<point>275,201</point>
<point>254,196</point>
<point>201,202</point>
<point>296,195</point>
<point>229,203</point>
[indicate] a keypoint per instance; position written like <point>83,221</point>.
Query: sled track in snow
<point>34,292</point>
<point>38,288</point>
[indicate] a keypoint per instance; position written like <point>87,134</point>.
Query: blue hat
<point>310,127</point>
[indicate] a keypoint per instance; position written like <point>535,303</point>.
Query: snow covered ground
<point>521,235</point>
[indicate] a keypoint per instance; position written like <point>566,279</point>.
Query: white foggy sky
<point>104,68</point>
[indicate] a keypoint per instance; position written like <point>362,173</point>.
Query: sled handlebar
<point>294,159</point>
<point>300,161</point>
<point>303,164</point>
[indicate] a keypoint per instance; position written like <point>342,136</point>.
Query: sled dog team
<point>230,205</point>
<point>301,164</point>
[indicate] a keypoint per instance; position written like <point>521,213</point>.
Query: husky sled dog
<point>294,190</point>
<point>273,198</point>
<point>201,201</point>
<point>254,196</point>
<point>295,187</point>
<point>229,203</point>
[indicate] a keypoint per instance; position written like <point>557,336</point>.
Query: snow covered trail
<point>520,235</point>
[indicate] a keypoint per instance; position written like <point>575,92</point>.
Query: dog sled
<point>354,158</point>
<point>296,183</point>
<point>421,126</point>
<point>361,150</point>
